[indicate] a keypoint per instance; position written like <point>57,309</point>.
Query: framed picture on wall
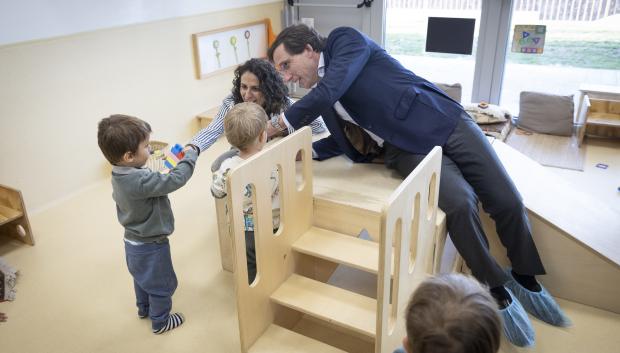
<point>223,48</point>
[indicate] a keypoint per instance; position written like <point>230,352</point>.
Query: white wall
<point>55,91</point>
<point>25,20</point>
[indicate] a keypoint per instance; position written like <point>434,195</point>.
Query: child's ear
<point>406,345</point>
<point>128,157</point>
<point>263,137</point>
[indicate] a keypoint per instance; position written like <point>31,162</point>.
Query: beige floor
<point>75,294</point>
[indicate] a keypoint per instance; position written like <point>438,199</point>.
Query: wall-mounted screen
<point>450,35</point>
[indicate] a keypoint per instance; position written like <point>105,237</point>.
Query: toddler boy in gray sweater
<point>143,209</point>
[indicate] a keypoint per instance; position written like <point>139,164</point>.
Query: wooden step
<point>280,340</point>
<point>325,244</point>
<point>335,305</point>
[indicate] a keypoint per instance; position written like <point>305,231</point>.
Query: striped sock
<point>174,320</point>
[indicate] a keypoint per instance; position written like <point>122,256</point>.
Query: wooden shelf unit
<point>598,112</point>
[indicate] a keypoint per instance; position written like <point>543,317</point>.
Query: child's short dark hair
<point>452,313</point>
<point>244,123</point>
<point>119,134</point>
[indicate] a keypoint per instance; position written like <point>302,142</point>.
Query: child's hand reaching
<point>190,147</point>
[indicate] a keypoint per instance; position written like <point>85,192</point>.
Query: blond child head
<point>245,126</point>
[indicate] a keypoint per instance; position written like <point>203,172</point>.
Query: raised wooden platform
<point>575,233</point>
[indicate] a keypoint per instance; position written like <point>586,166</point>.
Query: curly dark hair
<point>275,92</point>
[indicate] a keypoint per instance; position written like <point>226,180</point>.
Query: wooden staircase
<point>294,264</point>
<point>301,308</point>
<point>576,235</point>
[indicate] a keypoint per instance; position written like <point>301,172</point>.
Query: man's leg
<point>460,203</point>
<point>482,169</point>
<point>458,200</point>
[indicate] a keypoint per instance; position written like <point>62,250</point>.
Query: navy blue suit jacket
<point>379,94</point>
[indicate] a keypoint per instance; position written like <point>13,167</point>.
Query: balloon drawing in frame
<point>219,50</point>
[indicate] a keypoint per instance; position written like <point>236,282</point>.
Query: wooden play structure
<point>294,263</point>
<point>13,217</point>
<point>298,306</point>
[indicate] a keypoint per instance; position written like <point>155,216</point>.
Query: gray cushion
<point>453,91</point>
<point>546,113</point>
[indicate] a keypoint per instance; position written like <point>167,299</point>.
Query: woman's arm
<point>207,136</point>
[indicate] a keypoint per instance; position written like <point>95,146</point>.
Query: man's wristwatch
<point>276,124</point>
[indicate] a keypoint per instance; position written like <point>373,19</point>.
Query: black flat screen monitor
<point>450,35</point>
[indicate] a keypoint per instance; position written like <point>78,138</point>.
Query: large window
<point>582,45</point>
<point>405,39</point>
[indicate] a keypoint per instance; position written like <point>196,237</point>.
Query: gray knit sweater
<point>141,197</point>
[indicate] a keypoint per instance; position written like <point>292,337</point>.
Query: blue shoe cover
<point>517,326</point>
<point>540,304</point>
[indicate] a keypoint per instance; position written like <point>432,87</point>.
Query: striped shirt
<point>207,136</point>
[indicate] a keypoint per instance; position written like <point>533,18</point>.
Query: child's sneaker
<point>174,320</point>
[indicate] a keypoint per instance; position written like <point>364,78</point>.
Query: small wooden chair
<point>13,217</point>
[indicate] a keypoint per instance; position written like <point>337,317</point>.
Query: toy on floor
<point>8,278</point>
<point>173,156</point>
<point>485,113</point>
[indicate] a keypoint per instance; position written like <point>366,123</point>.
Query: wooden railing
<point>550,10</point>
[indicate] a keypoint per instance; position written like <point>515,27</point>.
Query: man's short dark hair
<point>119,134</point>
<point>295,38</point>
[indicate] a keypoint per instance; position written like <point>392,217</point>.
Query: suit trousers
<point>472,172</point>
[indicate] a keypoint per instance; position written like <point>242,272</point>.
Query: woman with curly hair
<point>255,81</point>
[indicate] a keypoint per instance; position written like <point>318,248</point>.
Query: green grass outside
<point>602,54</point>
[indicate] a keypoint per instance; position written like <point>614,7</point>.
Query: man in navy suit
<point>375,108</point>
